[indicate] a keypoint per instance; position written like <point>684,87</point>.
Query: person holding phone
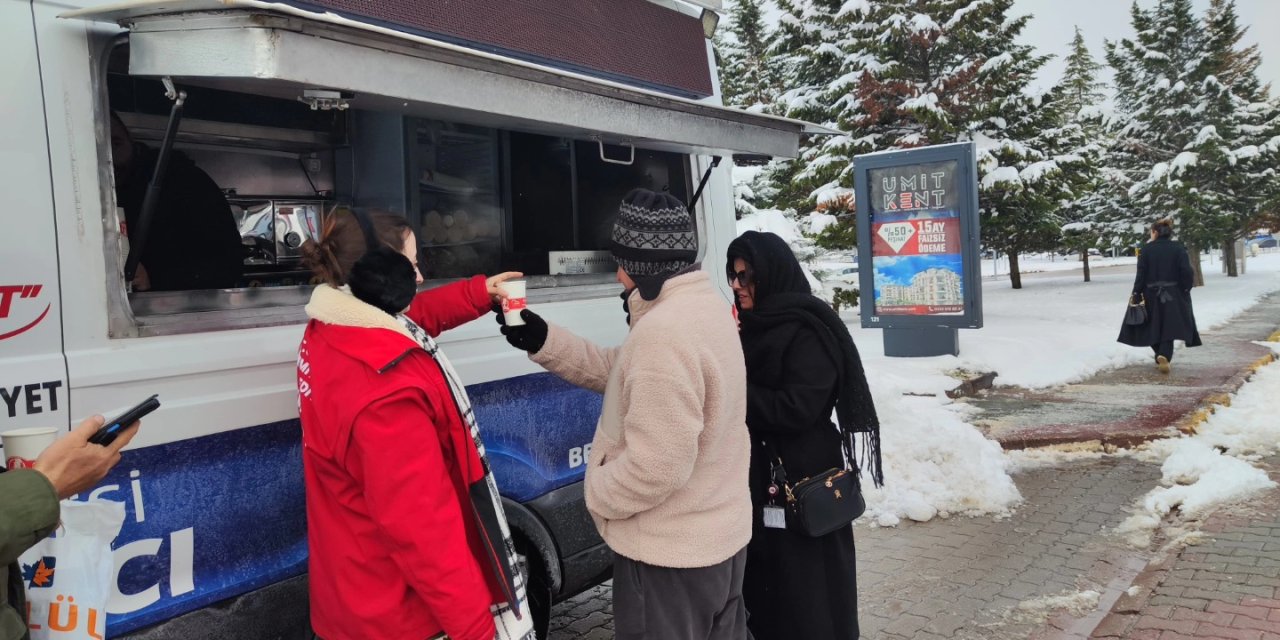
<point>405,528</point>
<point>29,505</point>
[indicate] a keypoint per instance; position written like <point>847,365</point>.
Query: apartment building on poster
<point>932,287</point>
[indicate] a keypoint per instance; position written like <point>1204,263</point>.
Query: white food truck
<point>506,132</point>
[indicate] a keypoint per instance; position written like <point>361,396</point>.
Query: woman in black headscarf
<point>801,364</point>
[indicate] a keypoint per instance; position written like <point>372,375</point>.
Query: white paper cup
<point>514,303</point>
<point>23,446</point>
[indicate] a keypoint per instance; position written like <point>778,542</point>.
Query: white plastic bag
<point>68,575</point>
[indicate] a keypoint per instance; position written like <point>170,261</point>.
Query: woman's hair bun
<point>322,260</point>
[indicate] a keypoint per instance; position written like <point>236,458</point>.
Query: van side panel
<point>33,376</point>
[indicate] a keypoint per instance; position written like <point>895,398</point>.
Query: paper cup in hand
<point>23,446</point>
<point>514,303</point>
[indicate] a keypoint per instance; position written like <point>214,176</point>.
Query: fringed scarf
<point>512,622</point>
<point>782,296</point>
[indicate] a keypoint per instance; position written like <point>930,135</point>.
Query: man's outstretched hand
<point>530,336</point>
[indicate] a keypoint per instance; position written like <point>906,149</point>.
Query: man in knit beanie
<point>666,481</point>
<point>653,239</point>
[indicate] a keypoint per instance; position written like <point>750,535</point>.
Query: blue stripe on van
<point>238,496</point>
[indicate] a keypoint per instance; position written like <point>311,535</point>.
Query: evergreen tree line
<point>1187,131</point>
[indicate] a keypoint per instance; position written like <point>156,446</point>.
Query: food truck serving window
<point>256,177</point>
<point>498,164</point>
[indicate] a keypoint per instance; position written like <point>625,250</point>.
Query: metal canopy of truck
<point>278,50</point>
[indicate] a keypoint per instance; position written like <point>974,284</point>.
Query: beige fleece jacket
<point>667,475</point>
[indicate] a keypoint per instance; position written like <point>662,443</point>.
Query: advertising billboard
<point>918,238</point>
<point>915,234</point>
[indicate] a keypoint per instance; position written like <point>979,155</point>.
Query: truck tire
<point>537,587</point>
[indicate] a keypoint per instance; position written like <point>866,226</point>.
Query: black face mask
<point>626,304</point>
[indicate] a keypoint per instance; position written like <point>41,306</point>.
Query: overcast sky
<point>1054,22</point>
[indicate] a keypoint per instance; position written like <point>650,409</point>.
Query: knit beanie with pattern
<point>653,239</point>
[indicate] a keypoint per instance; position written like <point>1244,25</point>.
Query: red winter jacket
<point>388,461</point>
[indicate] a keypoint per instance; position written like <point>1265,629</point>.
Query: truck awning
<point>279,50</point>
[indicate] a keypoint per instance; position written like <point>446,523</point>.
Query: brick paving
<point>1054,569</point>
<point>1226,586</point>
<point>963,577</point>
<point>995,579</point>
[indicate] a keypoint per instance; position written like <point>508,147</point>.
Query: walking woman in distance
<point>1164,282</point>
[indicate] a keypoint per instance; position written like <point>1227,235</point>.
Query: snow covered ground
<point>1056,330</point>
<point>1040,263</point>
<point>1215,465</point>
<point>937,463</point>
<point>1059,329</point>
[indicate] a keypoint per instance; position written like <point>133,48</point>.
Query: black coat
<point>193,242</point>
<point>795,586</point>
<point>1164,279</point>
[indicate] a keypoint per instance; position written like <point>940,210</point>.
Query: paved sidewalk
<point>1226,586</point>
<point>1054,569</point>
<point>1134,404</point>
<point>966,578</point>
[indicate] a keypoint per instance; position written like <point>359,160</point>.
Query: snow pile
<point>922,23</point>
<point>854,6</point>
<point>832,195</point>
<point>924,102</point>
<point>1036,171</point>
<point>818,222</point>
<point>1000,175</point>
<point>1082,320</point>
<point>935,462</point>
<point>1184,160</point>
<point>771,221</point>
<point>1078,603</point>
<point>1213,467</point>
<point>1024,460</point>
<point>998,62</point>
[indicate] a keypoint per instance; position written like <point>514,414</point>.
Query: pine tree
<point>1235,169</point>
<point>806,50</point>
<point>1082,91</point>
<point>922,72</point>
<point>748,75</point>
<point>1083,150</point>
<point>1157,82</point>
<point>1194,125</point>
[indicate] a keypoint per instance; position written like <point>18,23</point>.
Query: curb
<point>1190,424</point>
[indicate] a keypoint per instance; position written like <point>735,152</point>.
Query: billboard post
<point>918,238</point>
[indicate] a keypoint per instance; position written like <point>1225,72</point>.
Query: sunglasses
<point>743,277</point>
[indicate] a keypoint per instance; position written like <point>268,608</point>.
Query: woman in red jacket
<point>405,528</point>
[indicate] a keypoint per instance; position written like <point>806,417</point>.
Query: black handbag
<point>1137,312</point>
<point>820,504</point>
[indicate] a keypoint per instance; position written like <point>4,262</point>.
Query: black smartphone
<point>107,434</point>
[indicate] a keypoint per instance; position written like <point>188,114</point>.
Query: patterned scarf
<point>511,624</point>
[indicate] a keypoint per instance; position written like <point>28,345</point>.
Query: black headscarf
<point>782,295</point>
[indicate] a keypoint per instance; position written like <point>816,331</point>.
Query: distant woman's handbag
<point>1137,312</point>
